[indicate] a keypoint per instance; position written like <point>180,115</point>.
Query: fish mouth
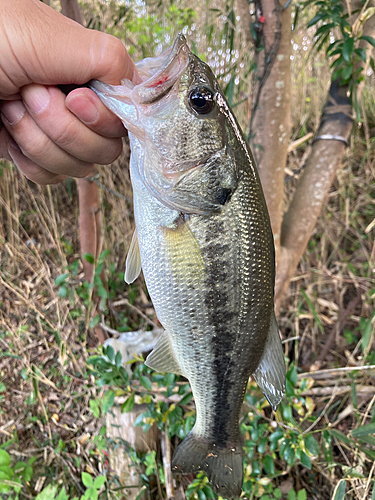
<point>159,74</point>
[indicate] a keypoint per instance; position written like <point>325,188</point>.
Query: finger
<point>32,171</point>
<point>55,50</point>
<point>47,107</point>
<point>87,106</point>
<point>36,145</point>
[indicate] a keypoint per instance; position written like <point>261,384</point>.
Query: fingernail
<point>37,98</point>
<point>83,107</point>
<point>13,111</point>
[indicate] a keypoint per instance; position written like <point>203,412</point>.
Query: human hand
<point>45,133</point>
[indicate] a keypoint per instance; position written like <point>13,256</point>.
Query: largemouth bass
<point>204,241</point>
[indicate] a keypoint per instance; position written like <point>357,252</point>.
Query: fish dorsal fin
<point>270,374</point>
<point>162,359</point>
<point>133,260</point>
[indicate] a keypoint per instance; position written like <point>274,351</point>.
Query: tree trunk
<point>313,186</point>
<point>70,8</point>
<point>321,168</point>
<point>270,126</point>
<point>90,230</point>
<point>121,425</point>
<point>90,225</point>
<point>270,129</point>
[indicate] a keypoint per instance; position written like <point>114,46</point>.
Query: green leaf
<point>63,291</point>
<point>118,359</point>
<point>110,353</point>
<point>305,460</point>
<point>95,407</point>
<point>6,472</point>
<point>4,458</point>
<point>365,430</point>
<point>361,54</point>
<point>170,379</point>
<point>347,48</point>
<point>287,412</point>
<point>61,279</point>
<point>48,493</point>
<point>62,495</point>
<point>201,495</point>
<point>91,494</point>
<point>346,72</point>
<point>269,465</point>
<point>311,445</point>
<point>277,493</point>
<point>341,437</point>
<point>368,39</point>
<point>291,495</point>
<point>302,495</point>
<point>317,18</point>
<point>208,491</point>
<point>146,382</point>
<point>186,399</point>
<point>289,455</point>
<point>368,439</point>
<point>99,481</point>
<point>87,479</point>
<point>324,28</point>
<point>89,258</point>
<point>129,404</point>
<point>108,400</point>
<point>94,321</point>
<point>27,474</point>
<point>339,493</point>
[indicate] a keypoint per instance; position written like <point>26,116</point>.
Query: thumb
<point>42,46</point>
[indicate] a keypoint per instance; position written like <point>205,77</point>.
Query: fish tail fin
<point>223,466</point>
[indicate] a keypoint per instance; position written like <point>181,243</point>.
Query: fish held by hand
<point>203,239</point>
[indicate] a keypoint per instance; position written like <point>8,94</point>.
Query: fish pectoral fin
<point>270,374</point>
<point>162,359</point>
<point>133,261</point>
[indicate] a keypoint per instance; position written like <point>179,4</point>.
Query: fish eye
<point>201,99</point>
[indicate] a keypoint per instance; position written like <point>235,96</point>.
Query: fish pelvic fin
<point>270,374</point>
<point>133,260</point>
<point>162,358</point>
<point>223,466</point>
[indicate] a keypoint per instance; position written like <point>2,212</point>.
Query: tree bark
<point>121,425</point>
<point>270,126</point>
<point>321,168</point>
<point>90,224</point>
<point>313,186</point>
<point>70,8</point>
<point>244,13</point>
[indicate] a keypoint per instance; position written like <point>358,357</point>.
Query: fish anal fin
<point>133,260</point>
<point>162,359</point>
<point>223,466</point>
<point>270,373</point>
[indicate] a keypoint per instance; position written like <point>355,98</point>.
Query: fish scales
<point>206,249</point>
